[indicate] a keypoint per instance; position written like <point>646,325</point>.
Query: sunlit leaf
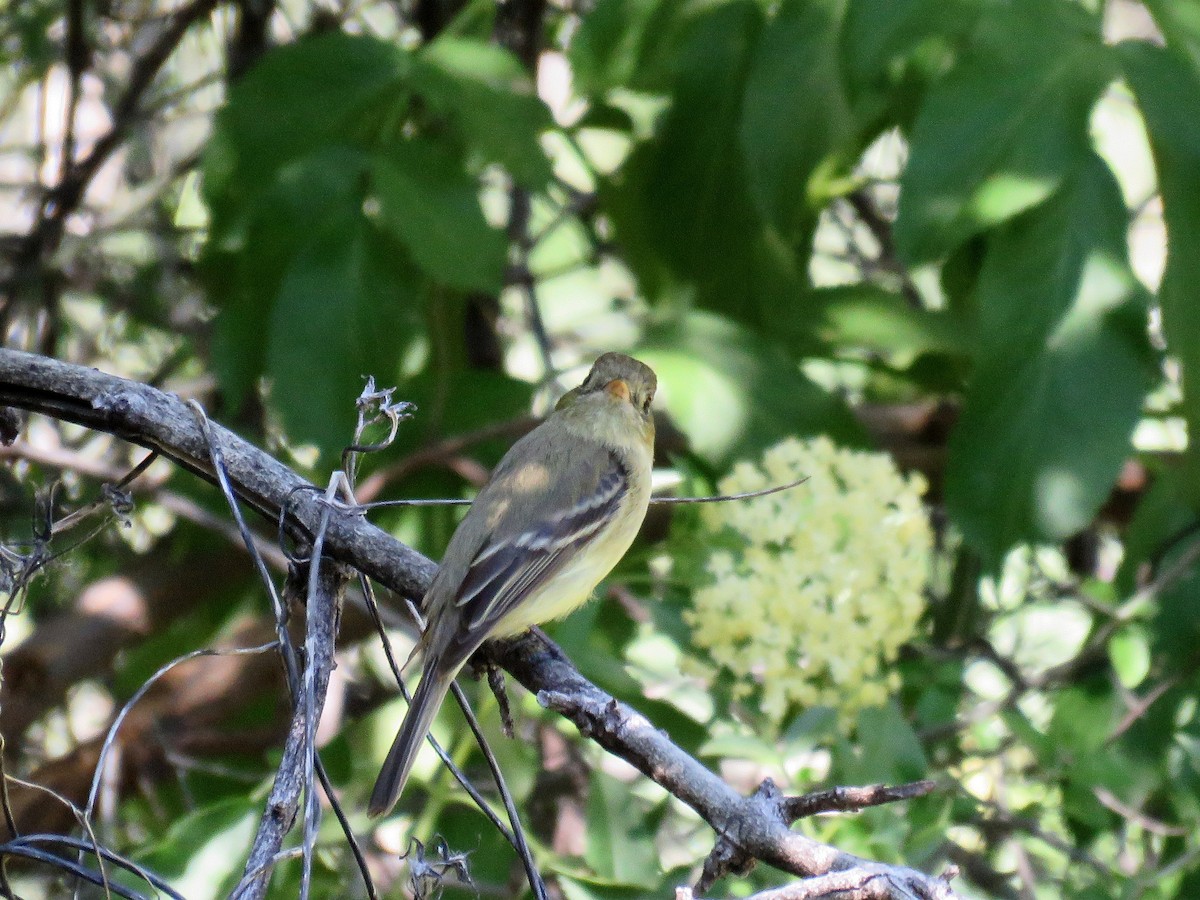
<point>999,132</point>
<point>732,393</point>
<point>1062,367</point>
<point>1168,92</point>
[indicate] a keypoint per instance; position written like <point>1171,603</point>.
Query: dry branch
<point>754,826</point>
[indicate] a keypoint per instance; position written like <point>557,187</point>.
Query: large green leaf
<point>868,317</point>
<point>202,853</point>
<point>245,263</point>
<point>620,844</point>
<point>682,206</point>
<point>490,100</point>
<point>880,35</point>
<point>432,206</point>
<point>623,44</point>
<point>298,99</point>
<point>340,315</point>
<point>1179,21</point>
<point>1168,91</point>
<point>1062,367</point>
<point>795,116</point>
<point>735,394</point>
<point>1000,132</point>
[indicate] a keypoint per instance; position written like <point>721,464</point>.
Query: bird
<point>559,511</point>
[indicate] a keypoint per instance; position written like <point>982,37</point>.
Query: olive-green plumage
<point>559,511</point>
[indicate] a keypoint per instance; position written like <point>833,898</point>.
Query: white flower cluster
<point>827,583</point>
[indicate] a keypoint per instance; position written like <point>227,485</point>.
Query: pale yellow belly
<point>574,583</point>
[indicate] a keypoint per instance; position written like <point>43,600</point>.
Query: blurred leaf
<point>681,204</point>
<point>743,746</point>
<point>735,394</point>
<point>888,749</point>
<point>1064,363</point>
<point>1083,718</point>
<point>865,316</point>
<point>624,44</point>
<point>1043,747</point>
<point>1168,92</point>
<point>579,888</point>
<point>202,854</point>
<point>1175,622</point>
<point>246,264</point>
<point>299,98</point>
<point>795,116</point>
<point>1129,653</point>
<point>1000,131</point>
<point>491,99</point>
<point>620,845</point>
<point>432,206</point>
<point>339,316</point>
<point>1179,21</point>
<point>880,45</point>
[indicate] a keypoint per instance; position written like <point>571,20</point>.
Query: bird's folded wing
<point>512,564</point>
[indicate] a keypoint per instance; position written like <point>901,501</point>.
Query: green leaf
<point>681,204</point>
<point>1083,719</point>
<point>202,854</point>
<point>869,317</point>
<point>1000,132</point>
<point>880,37</point>
<point>795,117</point>
<point>339,316</point>
<point>624,44</point>
<point>889,748</point>
<point>1168,92</point>
<point>298,99</point>
<point>1129,653</point>
<point>487,95</point>
<point>432,206</point>
<point>735,394</point>
<point>1179,21</point>
<point>1063,365</point>
<point>620,844</point>
<point>245,262</point>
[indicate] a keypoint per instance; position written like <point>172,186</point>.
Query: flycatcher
<point>559,511</point>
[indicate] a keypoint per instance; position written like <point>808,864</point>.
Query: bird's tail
<point>396,768</point>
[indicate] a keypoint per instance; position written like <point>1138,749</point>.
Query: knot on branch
<point>119,403</point>
<point>767,803</point>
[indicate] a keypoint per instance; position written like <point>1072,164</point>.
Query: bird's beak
<point>618,388</point>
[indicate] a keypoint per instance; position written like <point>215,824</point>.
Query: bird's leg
<point>483,662</point>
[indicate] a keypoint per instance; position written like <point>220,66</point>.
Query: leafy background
<point>965,233</point>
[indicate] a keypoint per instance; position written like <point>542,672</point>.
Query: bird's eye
<point>646,404</point>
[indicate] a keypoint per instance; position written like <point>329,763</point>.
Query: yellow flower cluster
<point>827,583</point>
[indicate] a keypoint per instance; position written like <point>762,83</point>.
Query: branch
<point>159,421</point>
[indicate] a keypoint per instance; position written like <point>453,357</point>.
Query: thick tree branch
<point>151,418</point>
<point>160,421</point>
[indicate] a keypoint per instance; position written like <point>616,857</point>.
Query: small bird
<point>558,513</point>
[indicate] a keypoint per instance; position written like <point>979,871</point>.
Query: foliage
<point>926,228</point>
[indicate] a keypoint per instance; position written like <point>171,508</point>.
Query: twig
<point>60,201</point>
<point>852,799</point>
<point>277,821</point>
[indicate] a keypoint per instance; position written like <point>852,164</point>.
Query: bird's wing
<point>533,538</point>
